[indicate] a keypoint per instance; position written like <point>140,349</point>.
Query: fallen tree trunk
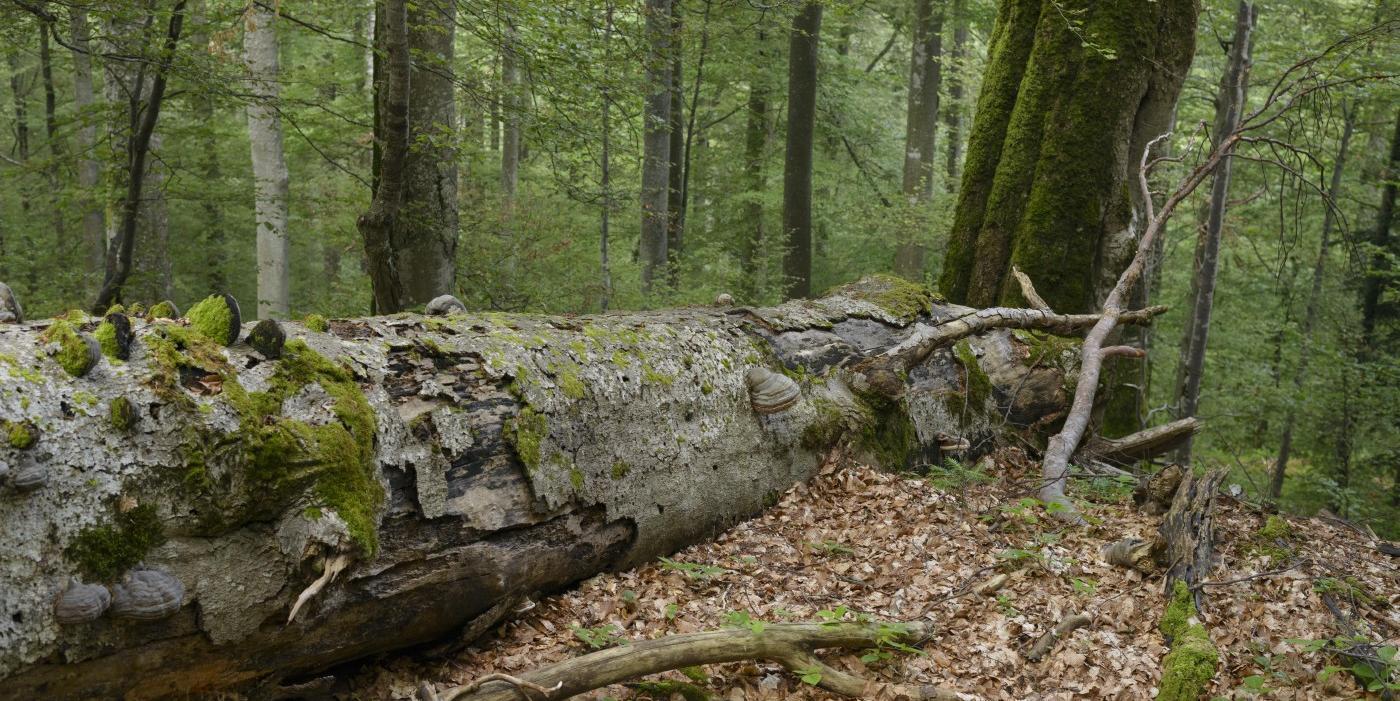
<point>393,479</point>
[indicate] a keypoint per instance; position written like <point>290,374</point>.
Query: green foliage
<point>600,637</point>
<point>692,570</point>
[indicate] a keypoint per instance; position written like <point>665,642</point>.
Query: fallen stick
<point>788,644</point>
<point>1068,625</point>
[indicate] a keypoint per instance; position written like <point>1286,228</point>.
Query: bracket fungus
<point>445,305</point>
<point>147,595</point>
<point>114,336</point>
<point>30,476</point>
<point>81,603</point>
<point>10,311</point>
<point>267,338</point>
<point>771,392</point>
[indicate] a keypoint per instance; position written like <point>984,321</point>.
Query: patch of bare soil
<point>857,542</point>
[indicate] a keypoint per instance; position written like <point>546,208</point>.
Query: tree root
<point>788,644</point>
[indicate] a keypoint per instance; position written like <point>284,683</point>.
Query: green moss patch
<point>215,319</point>
<point>164,310</point>
<point>317,323</point>
<point>121,413</point>
<point>106,335</point>
<point>888,433</point>
<point>977,385</point>
<point>20,435</point>
<point>525,433</point>
<point>73,354</point>
<point>903,299</point>
<point>1272,539</point>
<point>336,461</point>
<point>1189,667</point>
<point>103,553</point>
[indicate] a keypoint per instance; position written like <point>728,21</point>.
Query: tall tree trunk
<point>510,107</point>
<point>270,179</point>
<point>953,112</point>
<point>605,179</point>
<point>1376,280</point>
<point>370,14</point>
<point>797,166</point>
<point>410,230</point>
<point>119,252</point>
<point>690,128</point>
<point>656,157</point>
<point>751,241</point>
<point>71,284</point>
<point>425,235</point>
<point>391,139</point>
<point>1044,187</point>
<point>920,126</point>
<point>675,175</point>
<point>1305,350</point>
<point>1228,108</point>
<point>89,168</point>
<point>152,274</point>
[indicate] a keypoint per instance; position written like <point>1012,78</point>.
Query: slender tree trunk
<point>152,276</point>
<point>690,128</point>
<point>605,214</point>
<point>953,112</point>
<point>119,253</point>
<point>370,18</point>
<point>89,168</point>
<point>1305,351</point>
<point>270,178</point>
<point>18,93</point>
<point>72,283</point>
<point>675,174</point>
<point>510,114</point>
<point>1375,281</point>
<point>1229,106</point>
<point>797,168</point>
<point>920,126</point>
<point>656,159</point>
<point>1045,188</point>
<point>391,136</point>
<point>751,242</point>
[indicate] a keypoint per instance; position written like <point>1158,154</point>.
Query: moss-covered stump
<point>453,462</point>
<point>1189,667</point>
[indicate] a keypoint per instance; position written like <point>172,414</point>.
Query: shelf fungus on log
<point>81,603</point>
<point>448,465</point>
<point>147,595</point>
<point>445,305</point>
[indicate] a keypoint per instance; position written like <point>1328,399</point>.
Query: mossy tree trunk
<point>1072,93</point>
<point>430,472</point>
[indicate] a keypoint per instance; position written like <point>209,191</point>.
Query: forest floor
<point>859,541</point>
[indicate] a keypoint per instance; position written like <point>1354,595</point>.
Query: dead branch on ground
<point>791,645</point>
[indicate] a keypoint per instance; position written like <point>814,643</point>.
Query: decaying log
<point>1155,493</point>
<point>1188,531</point>
<point>789,644</point>
<point>448,463</point>
<point>1135,448</point>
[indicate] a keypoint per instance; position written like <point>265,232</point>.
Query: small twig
<point>1028,291</point>
<point>426,693</point>
<point>1259,575</point>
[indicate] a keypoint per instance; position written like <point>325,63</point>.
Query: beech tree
<point>270,179</point>
<point>803,40</point>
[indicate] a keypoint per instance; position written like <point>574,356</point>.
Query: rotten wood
<point>1143,445</point>
<point>1188,531</point>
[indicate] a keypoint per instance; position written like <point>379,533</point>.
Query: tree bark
<point>1229,106</point>
<point>391,142</point>
<point>953,113</point>
<point>797,166</point>
<point>920,125</point>
<point>270,178</point>
<point>1305,350</point>
<point>1376,280</point>
<point>89,169</point>
<point>751,242</point>
<point>656,158</point>
<point>605,175</point>
<point>444,466</point>
<point>1046,187</point>
<point>57,153</point>
<point>676,152</point>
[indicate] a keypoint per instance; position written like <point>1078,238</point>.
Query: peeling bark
<point>503,455</point>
